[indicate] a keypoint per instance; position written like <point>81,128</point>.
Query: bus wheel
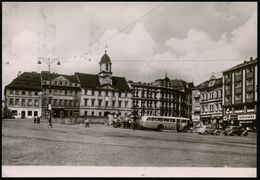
<point>185,129</point>
<point>160,127</point>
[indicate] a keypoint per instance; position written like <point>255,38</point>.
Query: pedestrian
<point>35,120</point>
<point>38,120</point>
<point>50,122</point>
<point>87,122</point>
<point>178,126</point>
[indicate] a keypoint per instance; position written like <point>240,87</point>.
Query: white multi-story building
<point>102,93</point>
<point>23,95</point>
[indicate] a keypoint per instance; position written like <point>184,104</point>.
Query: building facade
<point>23,96</point>
<point>158,98</point>
<point>104,94</point>
<point>64,93</point>
<point>240,94</point>
<point>207,102</point>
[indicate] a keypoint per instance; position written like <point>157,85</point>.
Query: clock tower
<point>105,74</point>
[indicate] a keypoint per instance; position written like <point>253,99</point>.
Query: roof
<point>205,85</point>
<point>71,78</point>
<point>26,81</point>
<point>92,81</point>
<point>105,59</point>
<point>180,84</point>
<point>245,63</point>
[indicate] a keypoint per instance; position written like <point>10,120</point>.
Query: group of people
<point>37,120</point>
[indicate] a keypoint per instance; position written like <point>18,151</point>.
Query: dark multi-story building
<point>23,96</point>
<point>207,102</point>
<point>158,98</point>
<point>240,94</point>
<point>64,92</point>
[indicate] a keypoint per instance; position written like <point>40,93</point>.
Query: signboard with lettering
<point>247,117</point>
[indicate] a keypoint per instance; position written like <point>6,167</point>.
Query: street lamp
<point>49,62</point>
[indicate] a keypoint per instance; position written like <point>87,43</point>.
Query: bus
<point>163,122</point>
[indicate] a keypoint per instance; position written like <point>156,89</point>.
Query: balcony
<point>227,80</point>
<point>238,101</point>
<point>249,100</point>
<point>238,78</point>
<point>228,92</point>
<point>238,90</point>
<point>249,75</point>
<point>250,88</point>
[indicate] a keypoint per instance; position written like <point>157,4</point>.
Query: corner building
<point>240,94</point>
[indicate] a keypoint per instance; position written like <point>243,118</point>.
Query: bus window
<point>166,120</point>
<point>154,119</point>
<point>183,121</point>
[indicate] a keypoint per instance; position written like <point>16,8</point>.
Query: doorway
<point>23,115</point>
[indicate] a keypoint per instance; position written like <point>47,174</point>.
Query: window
<point>93,92</point>
<point>106,93</point>
<point>14,112</point>
<point>92,113</point>
<point>119,94</point>
<point>99,102</point>
<point>23,102</point>
<point>100,114</point>
<point>65,102</point>
<point>36,102</point>
<point>249,95</point>
<point>113,103</point>
<point>60,83</point>
<point>238,97</point>
<point>106,103</point>
<point>70,103</point>
<point>238,73</point>
<point>36,93</point>
<point>249,82</point>
<point>11,92</point>
<point>17,101</point>
<point>99,93</point>
<point>238,85</point>
<point>86,113</point>
<point>30,102</point>
<point>17,92</point>
<point>29,113</point>
<point>93,102</point>
<point>119,103</point>
<point>60,103</point>
<point>65,93</point>
<point>23,92</point>
<point>86,101</point>
<point>35,113</point>
<point>249,70</point>
<point>75,103</point>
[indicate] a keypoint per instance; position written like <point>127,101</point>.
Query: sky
<point>189,41</point>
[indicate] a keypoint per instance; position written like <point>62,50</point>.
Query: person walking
<point>87,123</point>
<point>35,119</point>
<point>38,120</point>
<point>50,122</point>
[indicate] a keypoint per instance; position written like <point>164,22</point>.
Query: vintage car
<point>208,129</point>
<point>235,130</point>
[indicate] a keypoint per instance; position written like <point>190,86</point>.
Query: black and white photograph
<point>129,89</point>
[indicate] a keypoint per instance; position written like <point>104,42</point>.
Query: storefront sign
<point>49,107</point>
<point>247,117</point>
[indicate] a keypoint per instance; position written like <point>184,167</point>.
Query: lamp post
<point>49,62</point>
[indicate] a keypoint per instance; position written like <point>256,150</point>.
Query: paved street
<point>25,143</point>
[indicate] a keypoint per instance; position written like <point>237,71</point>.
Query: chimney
<point>251,58</point>
<point>19,73</point>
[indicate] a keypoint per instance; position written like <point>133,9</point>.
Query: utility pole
<point>49,62</point>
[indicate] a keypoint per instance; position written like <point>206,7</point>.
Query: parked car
<point>208,129</point>
<point>235,130</point>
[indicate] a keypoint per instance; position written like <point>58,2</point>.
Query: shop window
<point>35,113</point>
<point>23,92</point>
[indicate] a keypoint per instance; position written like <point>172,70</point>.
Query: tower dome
<point>105,59</point>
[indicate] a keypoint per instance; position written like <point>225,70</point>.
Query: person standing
<point>87,123</point>
<point>38,120</point>
<point>35,120</point>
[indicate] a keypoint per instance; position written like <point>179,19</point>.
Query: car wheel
<point>185,129</point>
<point>217,133</point>
<point>245,134</point>
<point>206,132</point>
<point>160,127</point>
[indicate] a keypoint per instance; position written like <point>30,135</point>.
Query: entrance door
<point>106,113</point>
<point>23,114</point>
